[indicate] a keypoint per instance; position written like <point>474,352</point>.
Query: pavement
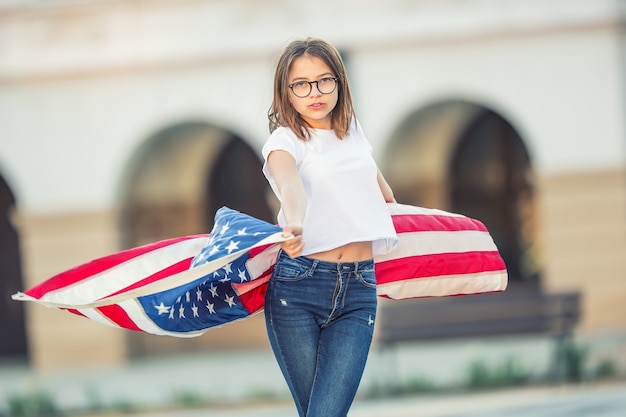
<point>248,383</point>
<point>606,400</point>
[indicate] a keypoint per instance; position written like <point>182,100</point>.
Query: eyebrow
<point>317,78</point>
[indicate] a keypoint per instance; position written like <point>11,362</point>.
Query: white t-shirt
<point>344,201</point>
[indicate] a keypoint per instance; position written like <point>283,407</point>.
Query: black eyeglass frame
<point>336,79</point>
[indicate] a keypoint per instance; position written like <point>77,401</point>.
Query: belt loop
<point>312,268</point>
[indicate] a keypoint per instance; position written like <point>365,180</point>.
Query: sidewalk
<point>608,400</point>
<point>240,376</point>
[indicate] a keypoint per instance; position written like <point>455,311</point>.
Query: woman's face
<point>316,108</point>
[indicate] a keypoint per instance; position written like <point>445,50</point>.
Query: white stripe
<point>444,285</point>
<point>96,315</point>
<point>78,299</point>
<point>126,273</point>
<point>262,261</point>
<point>136,312</point>
<point>428,243</point>
<point>395,208</point>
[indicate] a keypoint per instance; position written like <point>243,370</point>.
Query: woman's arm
<point>385,188</point>
<point>293,198</point>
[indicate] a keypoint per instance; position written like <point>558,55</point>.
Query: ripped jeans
<point>320,321</point>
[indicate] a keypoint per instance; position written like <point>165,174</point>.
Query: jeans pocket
<point>288,273</point>
<point>367,277</point>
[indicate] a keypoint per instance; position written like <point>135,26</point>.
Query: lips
<point>316,105</point>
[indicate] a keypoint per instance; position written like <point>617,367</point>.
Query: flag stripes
<point>184,286</point>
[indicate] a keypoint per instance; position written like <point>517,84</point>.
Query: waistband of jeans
<point>306,262</point>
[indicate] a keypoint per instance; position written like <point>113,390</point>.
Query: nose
<point>315,91</point>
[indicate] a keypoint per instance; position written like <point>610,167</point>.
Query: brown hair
<point>282,113</point>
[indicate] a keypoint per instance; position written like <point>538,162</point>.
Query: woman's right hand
<point>293,247</point>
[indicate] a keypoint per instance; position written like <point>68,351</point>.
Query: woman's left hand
<point>293,247</point>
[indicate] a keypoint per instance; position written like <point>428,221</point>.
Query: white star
<point>241,232</point>
<point>227,268</point>
<point>214,250</point>
<point>177,300</point>
<point>199,295</point>
<point>195,311</point>
<point>224,229</point>
<point>202,256</point>
<point>213,290</point>
<point>171,316</point>
<point>216,274</point>
<point>225,279</point>
<point>242,275</point>
<point>230,300</point>
<point>181,312</point>
<point>232,246</point>
<point>210,307</point>
<point>163,309</point>
<point>188,296</point>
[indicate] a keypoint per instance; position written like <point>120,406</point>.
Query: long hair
<point>282,113</point>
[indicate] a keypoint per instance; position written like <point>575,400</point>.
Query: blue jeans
<point>320,321</point>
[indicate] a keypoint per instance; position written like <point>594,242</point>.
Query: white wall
<point>82,83</point>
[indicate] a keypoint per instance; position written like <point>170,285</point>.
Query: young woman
<point>320,305</point>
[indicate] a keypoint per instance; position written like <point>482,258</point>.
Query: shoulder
<point>358,135</point>
<point>283,139</point>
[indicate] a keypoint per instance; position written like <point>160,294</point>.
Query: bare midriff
<point>352,252</point>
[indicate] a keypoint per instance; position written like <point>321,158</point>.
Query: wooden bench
<point>507,313</point>
<point>517,311</point>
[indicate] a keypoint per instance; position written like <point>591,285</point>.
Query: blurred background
<point>127,122</point>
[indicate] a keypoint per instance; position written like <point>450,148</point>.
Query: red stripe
<point>255,251</point>
<point>74,311</point>
<point>440,264</point>
<point>434,223</point>
<point>117,315</point>
<point>164,273</point>
<point>87,270</point>
<point>254,300</point>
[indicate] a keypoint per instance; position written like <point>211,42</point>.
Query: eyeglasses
<point>325,85</point>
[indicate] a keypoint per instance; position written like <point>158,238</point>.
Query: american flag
<point>182,287</point>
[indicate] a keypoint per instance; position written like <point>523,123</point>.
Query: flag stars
<point>210,307</point>
<point>181,312</point>
<point>171,316</point>
<point>232,246</point>
<point>242,275</point>
<point>214,250</point>
<point>195,311</point>
<point>230,300</point>
<point>213,290</point>
<point>187,296</point>
<point>228,268</point>
<point>242,232</point>
<point>199,295</point>
<point>224,228</point>
<point>162,308</point>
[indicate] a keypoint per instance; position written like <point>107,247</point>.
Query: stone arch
<point>13,339</point>
<point>467,158</point>
<point>174,183</point>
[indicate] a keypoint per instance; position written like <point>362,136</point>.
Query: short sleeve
<point>357,131</point>
<point>282,139</point>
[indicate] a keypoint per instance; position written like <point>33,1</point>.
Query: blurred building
<point>125,122</point>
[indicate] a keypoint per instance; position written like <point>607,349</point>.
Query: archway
<point>174,183</point>
<point>467,158</point>
<point>13,341</point>
<point>491,179</point>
